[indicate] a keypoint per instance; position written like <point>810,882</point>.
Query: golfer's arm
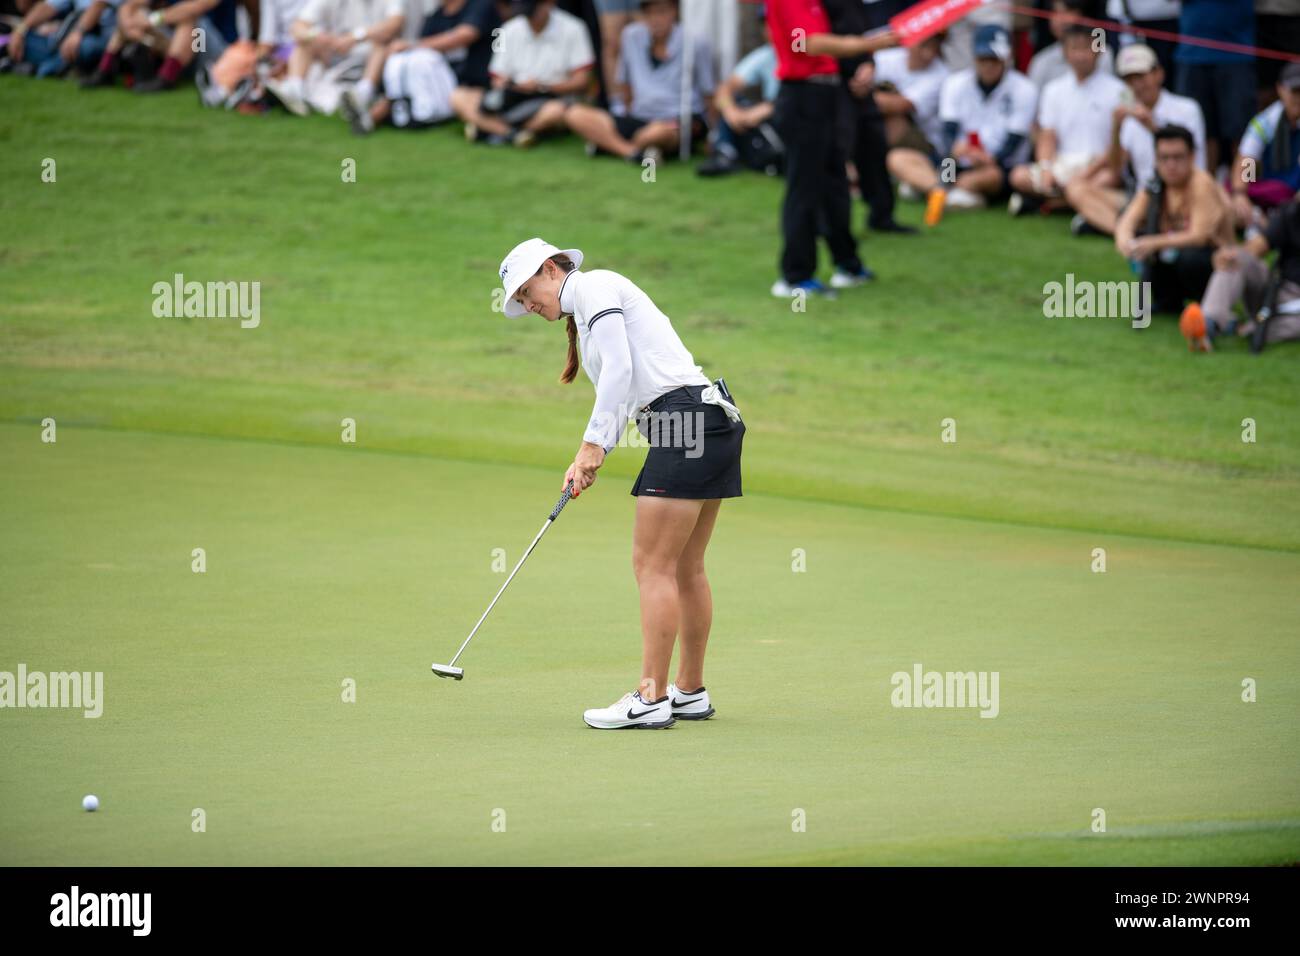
<point>608,416</point>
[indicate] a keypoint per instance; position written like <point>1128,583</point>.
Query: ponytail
<point>571,365</point>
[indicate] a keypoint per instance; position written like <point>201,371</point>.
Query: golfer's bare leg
<point>695,601</point>
<point>663,528</point>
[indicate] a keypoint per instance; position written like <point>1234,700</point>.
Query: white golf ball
<point>90,802</point>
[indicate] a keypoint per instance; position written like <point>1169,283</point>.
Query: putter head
<point>443,670</point>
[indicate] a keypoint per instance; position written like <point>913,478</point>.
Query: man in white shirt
<point>543,60</point>
<point>1132,153</point>
<point>1049,62</point>
<point>1074,119</point>
<point>334,40</point>
<point>985,116</point>
<point>907,85</point>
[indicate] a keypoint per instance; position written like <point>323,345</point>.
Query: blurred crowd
<point>1172,126</point>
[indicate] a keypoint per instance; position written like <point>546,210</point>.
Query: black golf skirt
<point>694,447</point>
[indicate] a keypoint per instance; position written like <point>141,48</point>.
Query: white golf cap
<point>522,263</point>
<point>1136,58</point>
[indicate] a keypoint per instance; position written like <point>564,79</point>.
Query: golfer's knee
<point>690,574</point>
<point>648,567</point>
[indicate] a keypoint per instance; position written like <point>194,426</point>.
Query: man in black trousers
<point>811,117</point>
<point>867,123</point>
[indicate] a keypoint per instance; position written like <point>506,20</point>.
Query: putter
<point>458,673</point>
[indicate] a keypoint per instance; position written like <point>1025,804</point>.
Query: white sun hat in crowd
<point>522,263</point>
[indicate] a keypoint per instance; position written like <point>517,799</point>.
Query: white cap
<point>1136,58</point>
<point>522,263</point>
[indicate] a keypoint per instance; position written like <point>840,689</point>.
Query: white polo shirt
<point>547,57</point>
<point>1008,109</point>
<point>628,347</point>
<point>919,87</point>
<point>1080,113</point>
<point>344,16</point>
<point>1140,143</point>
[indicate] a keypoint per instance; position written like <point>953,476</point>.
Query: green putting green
<point>329,563</point>
<point>224,690</point>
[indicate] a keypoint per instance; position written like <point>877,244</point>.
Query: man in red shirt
<point>808,117</point>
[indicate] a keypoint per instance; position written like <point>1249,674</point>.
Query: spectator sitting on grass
<point>1132,142</point>
<point>55,35</point>
<point>1241,277</point>
<point>985,113</point>
<point>543,59</point>
<point>1171,228</point>
<point>170,32</point>
<point>1267,171</point>
<point>650,68</point>
<point>739,116</point>
<point>908,81</point>
<point>1074,117</point>
<point>419,77</point>
<point>333,42</point>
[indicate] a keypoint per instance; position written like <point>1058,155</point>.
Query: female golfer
<point>640,367</point>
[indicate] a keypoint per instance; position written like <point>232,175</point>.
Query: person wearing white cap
<point>1144,107</point>
<point>640,367</point>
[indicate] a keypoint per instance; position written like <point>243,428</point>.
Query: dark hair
<point>1180,133</point>
<point>570,372</point>
<point>1076,30</point>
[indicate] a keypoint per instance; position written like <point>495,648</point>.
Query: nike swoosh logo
<point>683,702</point>
<point>633,715</point>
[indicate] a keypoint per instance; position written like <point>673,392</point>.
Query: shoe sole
<point>649,725</point>
<point>702,716</point>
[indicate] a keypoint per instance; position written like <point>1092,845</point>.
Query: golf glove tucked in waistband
<point>715,394</point>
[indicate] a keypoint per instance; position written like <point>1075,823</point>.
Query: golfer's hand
<point>583,470</point>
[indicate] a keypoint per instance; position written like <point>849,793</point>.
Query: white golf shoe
<point>631,712</point>
<point>694,706</point>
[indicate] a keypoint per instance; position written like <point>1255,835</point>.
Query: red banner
<point>926,19</point>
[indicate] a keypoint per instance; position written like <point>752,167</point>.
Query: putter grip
<point>564,500</point>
